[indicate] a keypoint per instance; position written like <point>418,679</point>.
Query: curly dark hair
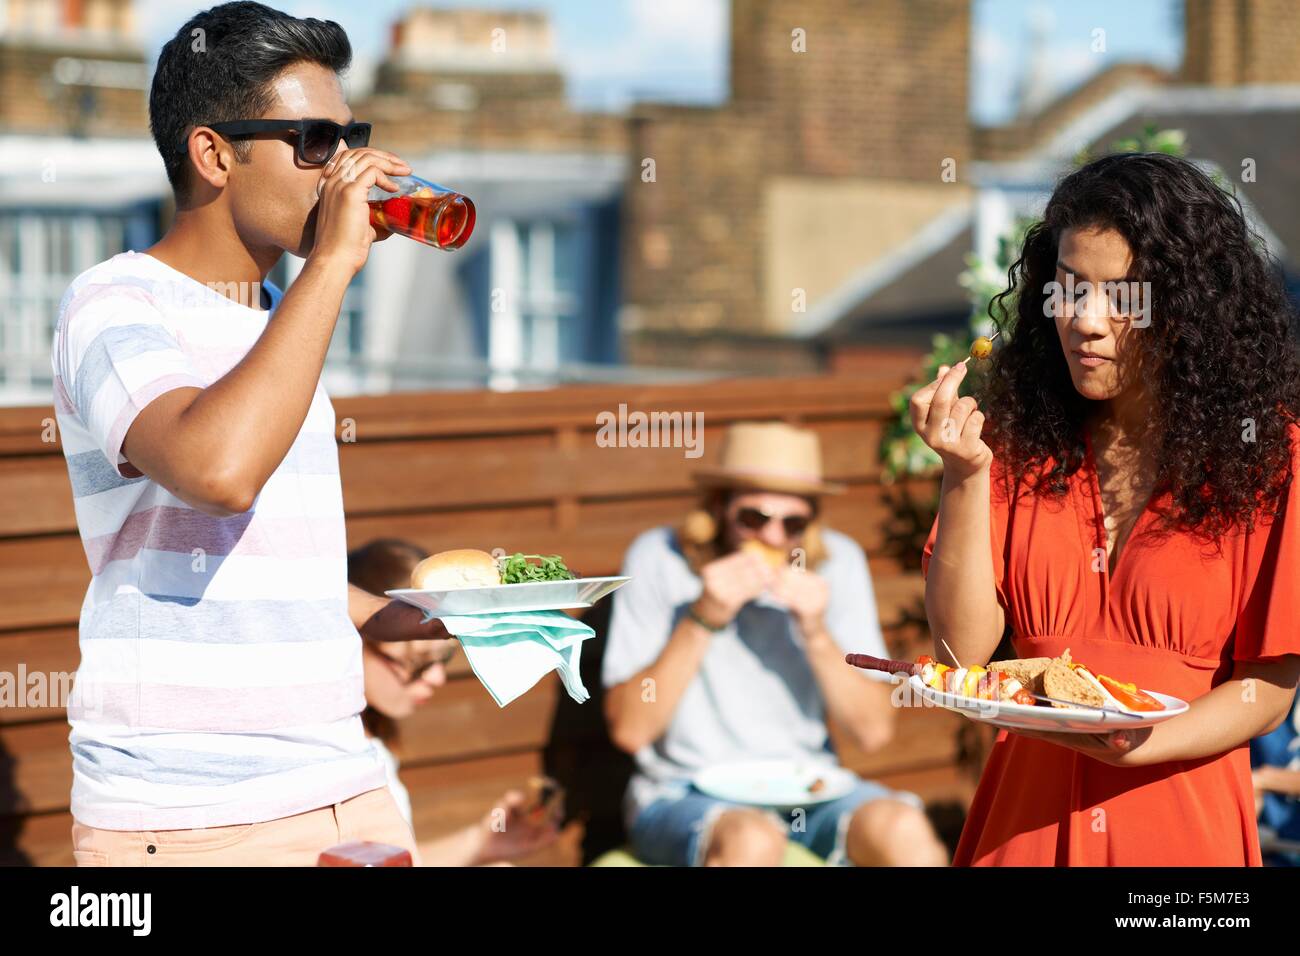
<point>1219,350</point>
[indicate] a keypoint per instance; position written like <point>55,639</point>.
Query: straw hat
<point>769,456</point>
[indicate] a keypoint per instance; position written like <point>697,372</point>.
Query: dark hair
<point>219,67</point>
<point>378,566</point>
<point>1219,349</point>
<point>383,564</point>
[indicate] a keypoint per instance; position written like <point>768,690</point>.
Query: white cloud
<point>698,24</point>
<point>670,47</point>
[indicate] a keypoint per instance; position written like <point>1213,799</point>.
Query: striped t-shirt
<point>221,677</point>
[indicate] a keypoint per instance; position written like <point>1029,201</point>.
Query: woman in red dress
<point>1131,499</point>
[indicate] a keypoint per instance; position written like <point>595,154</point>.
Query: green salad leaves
<point>519,569</point>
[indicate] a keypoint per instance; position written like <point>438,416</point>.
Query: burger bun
<point>452,570</point>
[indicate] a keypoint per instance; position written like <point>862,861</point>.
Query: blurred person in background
<point>1275,773</point>
<point>738,623</point>
<point>402,677</point>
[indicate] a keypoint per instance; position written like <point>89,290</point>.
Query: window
<point>41,252</point>
<point>534,303</point>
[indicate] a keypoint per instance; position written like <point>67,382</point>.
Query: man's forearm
<point>247,420</point>
<point>362,605</point>
<point>639,719</point>
<point>860,706</point>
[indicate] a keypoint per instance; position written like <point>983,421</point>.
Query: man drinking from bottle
<point>219,637</point>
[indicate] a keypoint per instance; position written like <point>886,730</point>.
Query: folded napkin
<point>511,652</point>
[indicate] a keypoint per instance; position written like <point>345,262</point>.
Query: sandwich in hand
<point>774,557</point>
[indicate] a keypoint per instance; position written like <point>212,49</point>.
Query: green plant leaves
<point>519,569</point>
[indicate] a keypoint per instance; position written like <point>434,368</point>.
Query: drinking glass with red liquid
<point>423,211</point>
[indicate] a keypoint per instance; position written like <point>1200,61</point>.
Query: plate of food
<point>778,784</point>
<point>469,581</point>
<point>1055,694</point>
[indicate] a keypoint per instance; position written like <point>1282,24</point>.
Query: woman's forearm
<point>1255,701</point>
<point>960,592</point>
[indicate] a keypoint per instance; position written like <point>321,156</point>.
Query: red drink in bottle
<point>423,211</point>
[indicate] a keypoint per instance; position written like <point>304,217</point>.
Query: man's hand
<point>806,594</point>
<point>343,229</point>
<point>731,582</point>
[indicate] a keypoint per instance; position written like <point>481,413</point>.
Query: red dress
<point>1172,618</point>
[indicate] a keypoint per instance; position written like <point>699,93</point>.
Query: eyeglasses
<point>316,141</point>
<point>756,520</point>
<point>412,670</point>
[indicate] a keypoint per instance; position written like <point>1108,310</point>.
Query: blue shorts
<point>671,831</point>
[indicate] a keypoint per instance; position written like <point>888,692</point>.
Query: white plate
<point>781,784</point>
<point>1080,720</point>
<point>507,598</point>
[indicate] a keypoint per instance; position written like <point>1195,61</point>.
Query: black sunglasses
<point>756,520</point>
<point>316,141</point>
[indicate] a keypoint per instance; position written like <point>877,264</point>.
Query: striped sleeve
<point>115,355</point>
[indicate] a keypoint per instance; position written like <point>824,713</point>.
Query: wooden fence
<point>521,471</point>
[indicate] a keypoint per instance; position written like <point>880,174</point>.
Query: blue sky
<point>617,51</point>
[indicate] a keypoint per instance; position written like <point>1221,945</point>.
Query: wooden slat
<point>409,475</point>
<point>409,414</point>
<point>51,653</point>
<point>939,784</point>
<point>35,495</point>
<point>41,839</point>
<point>449,797</point>
<point>42,581</point>
<point>24,429</point>
<point>35,768</point>
<point>923,737</point>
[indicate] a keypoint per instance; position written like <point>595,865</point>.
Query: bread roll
<point>461,568</point>
<point>775,557</point>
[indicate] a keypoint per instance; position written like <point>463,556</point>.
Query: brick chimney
<point>880,89</point>
<point>1236,42</point>
<point>72,66</point>
<point>471,59</point>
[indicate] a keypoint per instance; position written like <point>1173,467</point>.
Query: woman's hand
<point>398,621</point>
<point>951,425</point>
<point>1118,748</point>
